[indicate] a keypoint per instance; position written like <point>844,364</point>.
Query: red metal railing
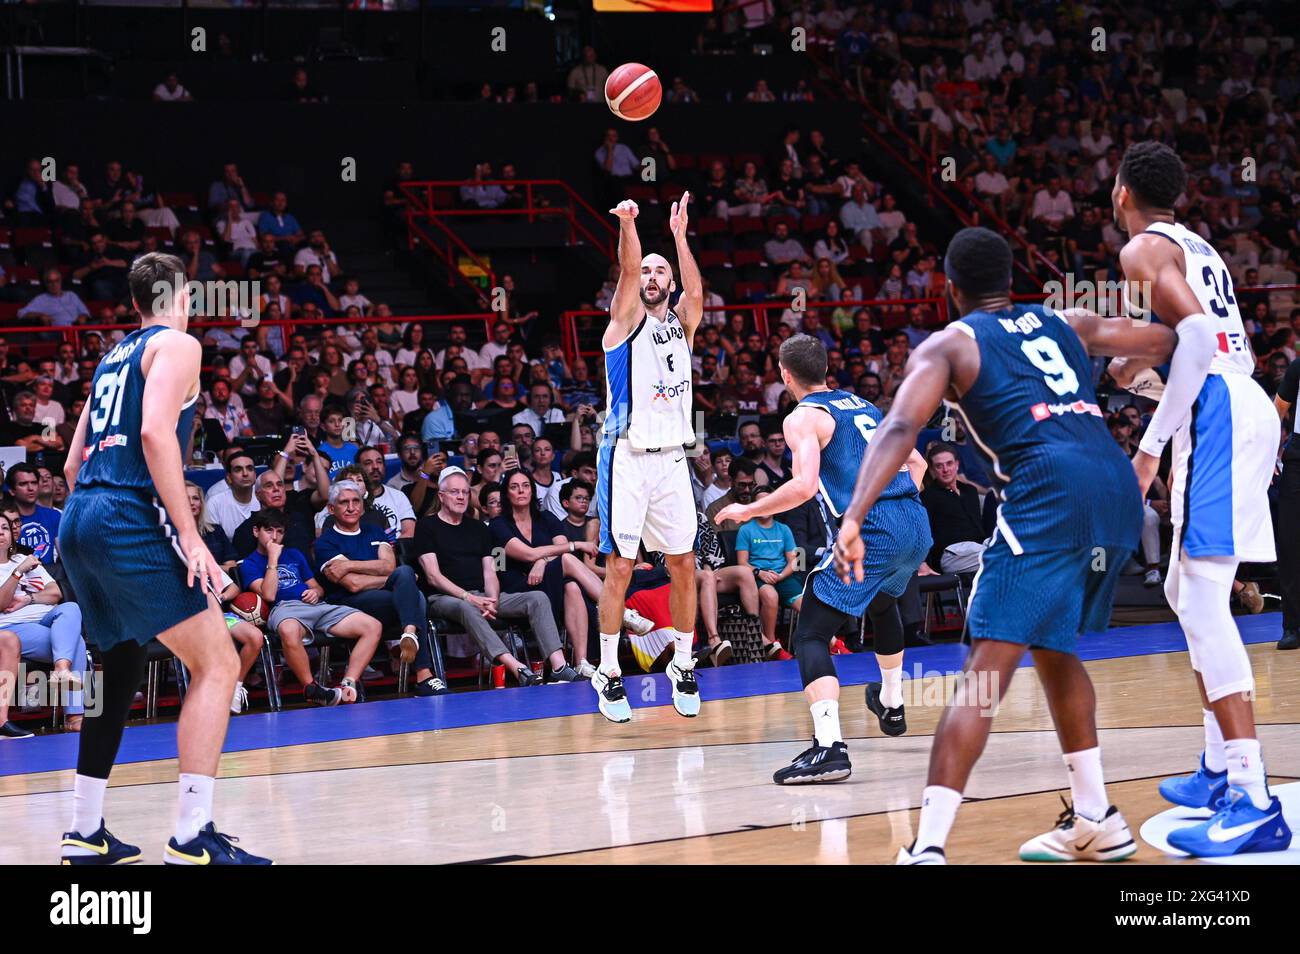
<point>574,345</point>
<point>593,229</point>
<point>72,333</point>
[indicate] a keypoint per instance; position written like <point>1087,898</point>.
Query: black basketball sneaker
<point>892,721</point>
<point>820,763</point>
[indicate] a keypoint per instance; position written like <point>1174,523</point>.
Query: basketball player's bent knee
<point>1199,589</point>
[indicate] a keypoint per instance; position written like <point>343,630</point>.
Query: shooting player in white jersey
<point>643,489</point>
<point>1225,437</point>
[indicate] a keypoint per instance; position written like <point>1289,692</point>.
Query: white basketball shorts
<point>644,497</point>
<point>1223,459</point>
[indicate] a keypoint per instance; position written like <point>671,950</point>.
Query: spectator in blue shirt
<point>360,570</point>
<point>298,613</point>
<point>280,223</point>
<point>768,548</point>
<point>339,452</point>
<point>34,197</point>
<point>54,306</point>
<point>40,529</point>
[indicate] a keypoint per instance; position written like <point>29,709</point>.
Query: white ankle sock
<point>891,687</point>
<point>826,722</point>
<point>938,811</point>
<point>1246,769</point>
<point>1214,758</point>
<point>684,643</point>
<point>608,653</point>
<point>1087,784</point>
<point>87,803</point>
<point>194,809</point>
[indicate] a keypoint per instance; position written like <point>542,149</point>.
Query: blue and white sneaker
<point>686,691</point>
<point>1202,789</point>
<point>1237,827</point>
<point>98,848</point>
<point>210,847</point>
<point>611,697</point>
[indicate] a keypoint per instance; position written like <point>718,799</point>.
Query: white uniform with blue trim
<point>643,487</point>
<point>1224,452</point>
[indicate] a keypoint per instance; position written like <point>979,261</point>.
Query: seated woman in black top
<point>214,538</point>
<point>540,556</point>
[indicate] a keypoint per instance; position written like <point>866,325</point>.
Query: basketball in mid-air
<point>249,607</point>
<point>633,92</point>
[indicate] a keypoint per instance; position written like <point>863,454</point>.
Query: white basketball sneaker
<point>686,691</point>
<point>926,856</point>
<point>1076,838</point>
<point>637,623</point>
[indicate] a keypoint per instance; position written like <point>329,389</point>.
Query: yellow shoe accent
<point>203,859</point>
<point>77,843</point>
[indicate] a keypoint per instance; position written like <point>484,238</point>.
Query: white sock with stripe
<point>684,643</point>
<point>194,809</point>
<point>609,654</point>
<point>1215,760</point>
<point>826,722</point>
<point>938,811</point>
<point>87,804</point>
<point>891,686</point>
<point>1246,769</point>
<point>1087,783</point>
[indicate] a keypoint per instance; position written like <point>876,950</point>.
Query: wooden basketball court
<point>536,776</point>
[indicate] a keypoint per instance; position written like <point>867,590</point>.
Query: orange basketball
<point>633,92</point>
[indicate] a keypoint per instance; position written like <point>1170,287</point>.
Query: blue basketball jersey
<point>856,420</point>
<point>113,454</point>
<point>1062,480</point>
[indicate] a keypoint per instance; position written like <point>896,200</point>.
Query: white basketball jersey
<point>1208,277</point>
<point>648,385</point>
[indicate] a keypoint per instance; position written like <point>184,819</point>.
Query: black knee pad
<point>886,624</point>
<point>122,671</point>
<point>818,623</point>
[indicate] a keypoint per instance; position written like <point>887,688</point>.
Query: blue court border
<point>460,710</point>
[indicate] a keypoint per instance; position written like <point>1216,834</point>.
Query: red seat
<point>641,194</point>
<point>181,200</point>
<point>685,160</point>
<point>233,269</point>
<point>671,191</point>
<point>748,256</point>
<point>262,200</point>
<point>25,273</point>
<point>749,289</point>
<point>710,226</point>
<point>160,232</point>
<point>814,223</point>
<point>714,258</point>
<point>9,310</point>
<point>745,223</point>
<point>32,236</point>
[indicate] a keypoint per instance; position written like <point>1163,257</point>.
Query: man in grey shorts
<point>456,557</point>
<point>284,580</point>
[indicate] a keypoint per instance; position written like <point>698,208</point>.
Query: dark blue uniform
<point>119,548</point>
<point>1070,513</point>
<point>896,530</point>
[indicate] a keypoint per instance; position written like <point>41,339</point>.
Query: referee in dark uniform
<point>1288,511</point>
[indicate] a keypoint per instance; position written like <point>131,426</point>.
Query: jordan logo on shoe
<point>1218,833</point>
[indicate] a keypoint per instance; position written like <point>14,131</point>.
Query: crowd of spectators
<point>492,496</point>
